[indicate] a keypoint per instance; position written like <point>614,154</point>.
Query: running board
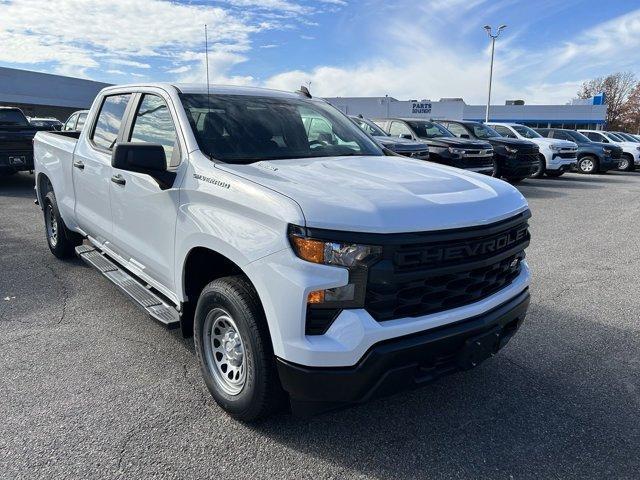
<point>141,295</point>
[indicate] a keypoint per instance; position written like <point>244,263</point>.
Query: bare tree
<point>631,111</point>
<point>616,88</point>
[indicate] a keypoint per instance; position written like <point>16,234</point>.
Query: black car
<point>401,146</point>
<point>46,124</point>
<point>16,141</point>
<point>515,159</point>
<point>444,147</point>
<point>593,157</point>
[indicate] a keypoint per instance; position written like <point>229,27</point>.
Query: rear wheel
<point>62,241</point>
<point>626,163</point>
<point>234,349</point>
<point>540,167</point>
<point>588,164</point>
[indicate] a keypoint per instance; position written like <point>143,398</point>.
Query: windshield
<point>614,137</point>
<point>369,127</point>
<point>526,132</point>
<point>426,129</point>
<point>577,136</point>
<point>483,132</point>
<point>627,137</point>
<point>247,128</point>
<point>13,117</point>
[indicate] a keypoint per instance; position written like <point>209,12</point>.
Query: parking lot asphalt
<point>90,387</point>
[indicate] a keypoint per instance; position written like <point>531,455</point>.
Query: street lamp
<point>493,37</point>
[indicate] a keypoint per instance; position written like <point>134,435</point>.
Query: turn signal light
<point>316,296</point>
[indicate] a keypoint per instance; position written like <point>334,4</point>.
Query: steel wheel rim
<point>225,352</point>
<point>539,168</point>
<point>52,225</point>
<point>624,164</point>
<point>586,165</point>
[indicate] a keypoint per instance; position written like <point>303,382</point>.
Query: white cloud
<point>425,58</point>
<point>128,63</point>
<point>182,69</point>
<point>116,72</point>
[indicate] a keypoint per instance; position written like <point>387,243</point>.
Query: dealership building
<point>586,114</point>
<point>45,95</point>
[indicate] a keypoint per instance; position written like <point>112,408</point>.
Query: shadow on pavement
<point>532,411</point>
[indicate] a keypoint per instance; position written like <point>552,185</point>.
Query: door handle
<point>119,179</point>
<point>78,164</point>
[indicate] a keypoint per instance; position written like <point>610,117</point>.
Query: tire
<point>61,241</point>
<point>626,163</point>
<point>541,168</point>
<point>554,173</point>
<point>588,165</point>
<point>497,171</point>
<point>234,349</point>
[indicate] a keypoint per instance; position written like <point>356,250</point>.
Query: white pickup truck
<point>312,269</point>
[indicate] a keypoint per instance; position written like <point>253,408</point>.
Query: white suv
<point>630,150</point>
<point>556,156</point>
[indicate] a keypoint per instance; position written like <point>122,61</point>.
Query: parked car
<point>16,141</point>
<point>322,273</point>
<point>401,146</point>
<point>514,159</point>
<point>46,124</point>
<point>556,156</point>
<point>444,147</point>
<point>630,150</point>
<point>76,121</point>
<point>593,157</point>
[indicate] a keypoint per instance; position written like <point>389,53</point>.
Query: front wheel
<point>540,167</point>
<point>234,349</point>
<point>62,241</point>
<point>588,164</point>
<point>626,163</point>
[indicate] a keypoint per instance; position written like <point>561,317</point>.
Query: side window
<point>596,137</point>
<point>106,132</point>
<point>457,130</point>
<point>81,119</point>
<point>399,128</point>
<point>70,124</point>
<point>504,131</point>
<point>153,124</point>
<point>320,129</point>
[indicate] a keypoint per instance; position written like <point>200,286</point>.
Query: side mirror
<point>464,135</point>
<point>147,158</point>
<point>406,135</point>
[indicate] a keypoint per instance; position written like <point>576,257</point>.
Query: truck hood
<point>545,142</point>
<point>457,142</point>
<point>385,194</point>
<point>403,143</point>
<point>511,142</point>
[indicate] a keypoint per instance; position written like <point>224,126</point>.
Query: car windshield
<point>426,129</point>
<point>248,128</point>
<point>13,117</point>
<point>483,132</point>
<point>369,127</point>
<point>526,132</point>
<point>577,136</point>
<point>627,137</point>
<point>614,137</point>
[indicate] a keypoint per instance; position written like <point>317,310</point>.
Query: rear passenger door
<point>144,215</point>
<point>92,167</point>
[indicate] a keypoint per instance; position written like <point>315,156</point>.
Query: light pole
<point>493,37</point>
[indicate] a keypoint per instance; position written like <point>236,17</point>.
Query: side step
<point>164,313</point>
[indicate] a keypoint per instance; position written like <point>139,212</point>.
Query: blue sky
<point>407,49</point>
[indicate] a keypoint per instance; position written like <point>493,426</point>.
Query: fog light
<point>316,297</point>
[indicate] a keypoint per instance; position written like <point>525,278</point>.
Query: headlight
<point>607,151</point>
<point>457,151</point>
<point>511,150</point>
<point>555,148</point>
<point>637,148</point>
<point>323,306</point>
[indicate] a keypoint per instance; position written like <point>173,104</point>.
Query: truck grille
<point>568,153</point>
<point>434,271</point>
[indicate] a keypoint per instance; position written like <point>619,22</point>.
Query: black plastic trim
<point>401,363</point>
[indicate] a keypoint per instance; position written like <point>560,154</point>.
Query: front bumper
<point>406,362</point>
